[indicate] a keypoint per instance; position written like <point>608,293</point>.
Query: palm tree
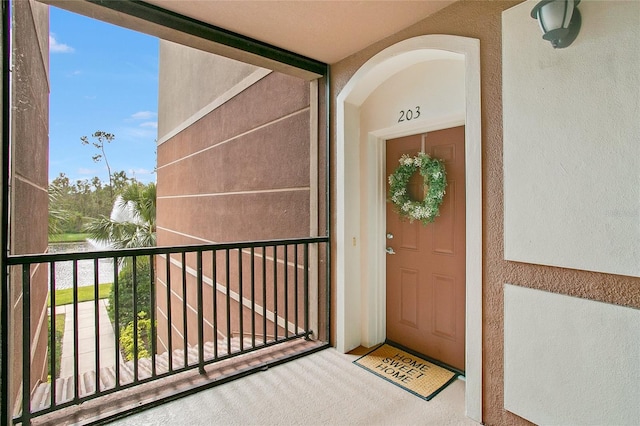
<point>133,219</point>
<point>57,214</point>
<point>132,224</point>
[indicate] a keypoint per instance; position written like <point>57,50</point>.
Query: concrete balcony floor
<point>324,388</point>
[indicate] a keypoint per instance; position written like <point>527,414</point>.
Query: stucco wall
<point>570,360</point>
<point>182,68</point>
<point>572,166</point>
<point>235,166</point>
<point>438,98</point>
<point>572,199</point>
<point>29,180</point>
<point>482,20</point>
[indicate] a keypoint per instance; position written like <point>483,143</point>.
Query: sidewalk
<point>87,338</point>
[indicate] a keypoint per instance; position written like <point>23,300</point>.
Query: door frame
<point>361,198</point>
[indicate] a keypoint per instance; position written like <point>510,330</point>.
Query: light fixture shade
<point>559,21</point>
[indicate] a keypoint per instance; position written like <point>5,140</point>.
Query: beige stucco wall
<point>483,20</point>
<point>184,68</point>
<point>570,360</point>
<point>30,156</point>
<point>572,199</point>
<point>572,166</point>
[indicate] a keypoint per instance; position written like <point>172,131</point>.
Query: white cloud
<point>142,175</point>
<point>83,171</point>
<point>56,47</point>
<point>137,133</point>
<point>141,171</point>
<point>143,115</point>
<point>153,124</point>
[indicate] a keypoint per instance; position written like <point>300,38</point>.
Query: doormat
<point>412,373</point>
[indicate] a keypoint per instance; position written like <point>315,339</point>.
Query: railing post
<point>116,313</point>
<point>228,300</point>
<point>185,339</point>
<point>169,320</point>
<point>152,314</point>
<point>200,314</point>
<point>240,302</point>
<point>76,342</point>
<point>275,292</point>
<point>26,344</point>
<point>264,295</point>
<point>253,298</point>
<point>96,319</point>
<point>295,284</point>
<point>135,317</point>
<point>214,275</point>
<point>52,338</point>
<point>306,291</point>
<point>286,291</point>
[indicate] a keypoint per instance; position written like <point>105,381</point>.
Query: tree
<point>58,216</point>
<point>132,224</point>
<point>100,139</point>
<point>133,219</point>
<point>71,203</point>
<point>121,181</point>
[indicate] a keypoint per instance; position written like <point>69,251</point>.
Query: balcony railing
<point>206,303</point>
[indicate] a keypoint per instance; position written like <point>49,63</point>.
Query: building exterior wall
<point>212,74</point>
<point>483,21</point>
<point>233,167</point>
<point>29,179</point>
<point>572,157</point>
<point>572,200</point>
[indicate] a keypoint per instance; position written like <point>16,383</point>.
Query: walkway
<point>324,388</point>
<point>87,338</point>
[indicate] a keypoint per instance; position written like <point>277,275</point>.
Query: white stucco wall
<point>434,88</point>
<point>572,141</point>
<point>570,361</point>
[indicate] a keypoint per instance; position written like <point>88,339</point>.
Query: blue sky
<point>103,77</point>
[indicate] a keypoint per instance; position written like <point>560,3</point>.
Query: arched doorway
<point>369,109</point>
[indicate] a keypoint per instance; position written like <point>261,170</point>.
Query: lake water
<point>86,270</point>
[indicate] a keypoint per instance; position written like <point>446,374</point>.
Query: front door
<point>426,275</point>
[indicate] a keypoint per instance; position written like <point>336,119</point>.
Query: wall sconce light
<point>559,20</point>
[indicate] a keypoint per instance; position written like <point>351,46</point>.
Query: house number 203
<point>409,114</point>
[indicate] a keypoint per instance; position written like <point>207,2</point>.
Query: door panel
<point>444,234</point>
<point>409,297</point>
<point>426,276</point>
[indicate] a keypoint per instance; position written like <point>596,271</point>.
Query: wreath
<point>435,179</point>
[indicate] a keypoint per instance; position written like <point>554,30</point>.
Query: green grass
<point>68,238</point>
<point>59,334</point>
<point>65,296</point>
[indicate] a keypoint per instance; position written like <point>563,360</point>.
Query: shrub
<point>125,292</point>
<point>144,338</point>
<point>125,307</point>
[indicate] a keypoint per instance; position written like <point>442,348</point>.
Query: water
<point>64,270</point>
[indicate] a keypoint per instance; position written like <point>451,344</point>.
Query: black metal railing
<point>205,303</point>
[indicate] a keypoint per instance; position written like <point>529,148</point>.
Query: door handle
<point>389,236</point>
<point>389,250</point>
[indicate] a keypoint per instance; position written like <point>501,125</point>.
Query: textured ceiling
<point>327,30</point>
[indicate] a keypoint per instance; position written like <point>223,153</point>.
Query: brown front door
<point>426,275</point>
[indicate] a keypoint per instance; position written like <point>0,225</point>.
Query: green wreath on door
<point>435,180</point>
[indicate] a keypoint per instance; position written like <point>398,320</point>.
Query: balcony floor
<point>321,388</point>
